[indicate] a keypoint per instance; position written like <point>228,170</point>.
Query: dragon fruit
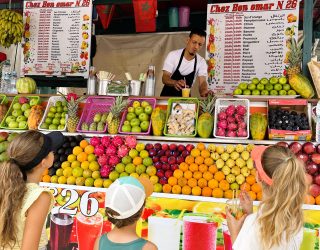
<point>231,133</point>
<point>232,126</point>
<point>123,150</point>
<point>99,150</point>
<point>242,125</point>
<point>103,160</point>
<point>113,160</point>
<point>111,150</point>
<point>242,133</point>
<point>222,124</point>
<point>106,140</point>
<point>117,141</point>
<point>105,171</point>
<point>231,119</point>
<point>241,110</point>
<point>95,141</point>
<point>131,141</point>
<point>23,100</point>
<point>222,116</point>
<point>231,109</point>
<point>239,118</point>
<point>221,132</point>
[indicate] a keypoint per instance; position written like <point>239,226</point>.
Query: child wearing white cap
<point>125,199</point>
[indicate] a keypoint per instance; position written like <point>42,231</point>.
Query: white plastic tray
<point>268,96</point>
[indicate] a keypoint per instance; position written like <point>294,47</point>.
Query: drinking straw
<point>185,83</point>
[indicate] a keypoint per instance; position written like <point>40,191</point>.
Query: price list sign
<point>57,38</point>
<point>247,40</point>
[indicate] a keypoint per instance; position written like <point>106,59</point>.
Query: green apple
<point>237,91</point>
<point>33,101</point>
<point>292,92</point>
<point>256,92</point>
<point>63,121</point>
<point>97,117</point>
<point>56,121</point>
<point>17,112</point>
<point>17,106</point>
<point>286,87</point>
<point>130,116</point>
<point>251,86</point>
<point>51,115</point>
<point>144,126</point>
<point>247,92</point>
<point>282,92</point>
<point>64,103</point>
<point>21,118</point>
<point>25,106</point>
<point>264,92</point>
<point>44,126</point>
<point>48,120</point>
<point>10,118</point>
<point>136,129</point>
<point>273,80</point>
<point>260,86</point>
<point>22,124</point>
<point>255,80</point>
<point>273,92</point>
<point>27,113</point>
<point>243,85</point>
<point>126,123</point>
<point>135,122</point>
<point>136,104</point>
<point>269,87</point>
<point>277,86</point>
<point>131,110</point>
<point>264,81</point>
<point>138,110</point>
<point>144,104</point>
<point>53,127</point>
<point>13,124</point>
<point>59,109</point>
<point>143,117</point>
<point>65,109</point>
<point>61,127</point>
<point>148,110</point>
<point>283,80</point>
<point>58,103</point>
<point>126,128</point>
<point>57,115</point>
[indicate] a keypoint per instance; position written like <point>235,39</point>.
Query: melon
<point>26,85</point>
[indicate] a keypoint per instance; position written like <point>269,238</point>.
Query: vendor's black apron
<point>171,91</point>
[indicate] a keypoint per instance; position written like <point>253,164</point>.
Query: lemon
<point>54,179</point>
<point>144,154</point>
<point>98,182</point>
<point>75,164</point>
<point>157,188</point>
<point>77,172</point>
<point>113,175</point>
<point>94,166</point>
<point>140,147</point>
<point>107,183</point>
<point>77,150</point>
<point>67,172</point>
<point>62,180</point>
<point>71,180</point>
<point>87,173</point>
<point>144,175</point>
<point>80,181</point>
<point>154,179</point>
<point>135,175</point>
<point>72,158</point>
<point>123,174</point>
<point>65,164</point>
<point>91,158</point>
<point>208,208</point>
<point>130,168</point>
<point>89,182</point>
<point>96,174</point>
<point>85,164</point>
<point>59,172</point>
<point>133,153</point>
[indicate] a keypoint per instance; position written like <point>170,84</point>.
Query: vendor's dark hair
<point>197,31</point>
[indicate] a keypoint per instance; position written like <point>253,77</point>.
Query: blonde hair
<point>22,150</point>
<point>280,212</point>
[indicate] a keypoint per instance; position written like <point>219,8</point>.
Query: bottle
<point>5,77</point>
<point>150,82</point>
<point>91,83</point>
<point>12,86</point>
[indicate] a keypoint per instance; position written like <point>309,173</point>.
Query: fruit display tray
<point>94,105</point>
<point>14,101</point>
<point>3,99</point>
<point>51,102</point>
<point>151,101</point>
<point>186,101</point>
<point>222,103</point>
<point>267,96</point>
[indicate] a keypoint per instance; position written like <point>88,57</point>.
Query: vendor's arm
<point>202,78</point>
<point>166,80</point>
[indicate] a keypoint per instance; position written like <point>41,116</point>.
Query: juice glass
<point>198,233</point>
<point>226,237</point>
<point>164,232</point>
<point>186,92</point>
<point>309,239</point>
<point>235,207</point>
<point>60,230</point>
<point>88,230</point>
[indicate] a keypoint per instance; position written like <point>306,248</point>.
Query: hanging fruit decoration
<point>11,27</point>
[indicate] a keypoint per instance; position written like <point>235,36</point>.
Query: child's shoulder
<point>149,246</point>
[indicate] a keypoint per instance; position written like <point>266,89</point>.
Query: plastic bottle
<point>5,77</point>
<point>91,83</point>
<point>150,82</point>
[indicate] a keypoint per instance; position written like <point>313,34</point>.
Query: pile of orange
<point>310,200</point>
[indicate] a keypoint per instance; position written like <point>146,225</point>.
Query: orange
<point>197,175</point>
<point>203,168</point>
<point>193,167</point>
<point>217,193</point>
<point>172,181</point>
<point>251,180</point>
<point>82,157</point>
<point>189,159</point>
<point>77,150</point>
<point>213,169</point>
<point>318,200</point>
<point>137,160</point>
<point>84,143</point>
<point>252,195</point>
<point>199,160</point>
<point>228,194</point>
<point>224,185</point>
<point>259,196</point>
<point>46,178</point>
<point>186,190</point>
<point>245,187</point>
<point>205,153</point>
<point>45,172</point>
<point>195,152</point>
<point>253,172</point>
<point>187,174</point>
<point>201,146</point>
<point>219,176</point>
<point>309,199</point>
<point>178,173</point>
<point>206,191</point>
<point>213,183</point>
<point>176,189</point>
<point>192,182</point>
<point>202,182</point>
<point>207,175</point>
<point>182,181</point>
<point>166,188</point>
<point>256,188</point>
<point>196,191</point>
<point>208,161</point>
<point>183,166</point>
<point>89,149</point>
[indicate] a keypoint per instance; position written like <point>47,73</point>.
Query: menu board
<point>247,40</point>
<point>57,38</point>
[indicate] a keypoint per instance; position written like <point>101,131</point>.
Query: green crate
<point>182,100</point>
<point>3,99</point>
<point>3,124</point>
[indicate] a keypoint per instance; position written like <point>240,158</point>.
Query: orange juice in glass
<point>186,92</point>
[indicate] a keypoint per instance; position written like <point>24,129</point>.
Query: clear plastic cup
<point>235,208</point>
<point>186,92</point>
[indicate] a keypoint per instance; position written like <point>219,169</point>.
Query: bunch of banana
<point>11,27</point>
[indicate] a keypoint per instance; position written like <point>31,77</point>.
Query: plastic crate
<point>51,102</point>
<point>222,104</point>
<point>182,101</point>
<point>151,101</point>
<point>94,104</point>
<point>15,100</point>
<point>3,99</point>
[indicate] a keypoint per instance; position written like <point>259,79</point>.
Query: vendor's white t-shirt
<point>248,238</point>
<point>186,67</point>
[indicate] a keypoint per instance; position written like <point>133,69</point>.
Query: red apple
<point>318,148</point>
<point>185,153</point>
<point>165,166</point>
<point>180,159</point>
<point>158,165</point>
<point>309,179</point>
<point>157,146</point>
<point>173,146</point>
<point>160,173</point>
<point>283,144</point>
<point>168,173</point>
<point>161,152</point>
<point>155,159</point>
<point>302,156</point>
<point>181,148</point>
<point>189,147</point>
<point>317,179</point>
<point>172,160</point>
<point>309,148</point>
<point>315,158</point>
<point>174,167</point>
<point>311,168</point>
<point>164,158</point>
<point>295,147</point>
<point>148,146</point>
<point>163,180</point>
<point>314,190</point>
<point>165,146</point>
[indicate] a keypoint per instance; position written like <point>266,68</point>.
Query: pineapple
<point>298,82</point>
<point>113,118</point>
<point>205,121</point>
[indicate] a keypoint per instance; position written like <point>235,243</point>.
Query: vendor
<point>183,66</point>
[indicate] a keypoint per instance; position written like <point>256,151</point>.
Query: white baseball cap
<point>127,194</point>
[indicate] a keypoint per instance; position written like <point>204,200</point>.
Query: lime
<point>113,175</point>
<point>126,160</point>
<point>89,182</point>
<point>140,147</point>
<point>133,153</point>
<point>123,174</point>
<point>140,169</point>
<point>120,167</point>
<point>157,188</point>
<point>144,153</point>
<point>91,157</point>
<point>147,161</point>
<point>96,174</point>
<point>130,168</point>
<point>94,166</point>
<point>77,172</point>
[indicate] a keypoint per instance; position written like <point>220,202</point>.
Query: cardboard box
<point>298,105</point>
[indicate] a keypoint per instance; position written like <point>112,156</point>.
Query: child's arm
<point>149,246</point>
<point>96,244</point>
<point>36,216</point>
